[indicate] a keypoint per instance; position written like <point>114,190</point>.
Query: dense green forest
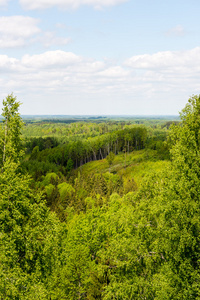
<point>100,209</point>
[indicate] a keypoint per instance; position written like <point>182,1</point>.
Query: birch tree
<point>11,130</point>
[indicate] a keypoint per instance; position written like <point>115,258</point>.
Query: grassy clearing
<point>134,165</point>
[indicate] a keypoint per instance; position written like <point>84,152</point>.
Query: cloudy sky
<point>102,57</point>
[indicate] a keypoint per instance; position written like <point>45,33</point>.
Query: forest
<point>99,208</point>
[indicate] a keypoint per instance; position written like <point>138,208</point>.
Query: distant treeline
<point>46,153</point>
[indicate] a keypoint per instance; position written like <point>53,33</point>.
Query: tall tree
<point>28,231</point>
<point>12,125</point>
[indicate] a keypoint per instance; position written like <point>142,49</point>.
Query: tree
<point>160,253</point>
<point>28,238</point>
<point>34,153</point>
<point>168,214</point>
<point>110,158</point>
<point>29,233</point>
<point>12,125</point>
<point>70,165</point>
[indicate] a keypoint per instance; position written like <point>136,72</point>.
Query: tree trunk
<point>100,153</point>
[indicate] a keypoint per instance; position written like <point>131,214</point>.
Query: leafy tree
<point>169,206</point>
<point>12,126</point>
<point>185,145</point>
<point>34,153</point>
<point>50,178</point>
<point>29,236</point>
<point>110,158</point>
<point>70,165</point>
<point>28,240</point>
<point>65,190</point>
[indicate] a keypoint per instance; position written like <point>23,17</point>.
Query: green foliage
<point>29,238</point>
<point>70,165</point>
<point>185,143</point>
<point>41,142</point>
<point>30,234</point>
<point>144,245</point>
<point>79,151</point>
<point>110,158</point>
<point>39,169</point>
<point>128,231</point>
<point>65,191</point>
<point>34,153</point>
<point>11,146</point>
<point>49,189</point>
<point>50,178</point>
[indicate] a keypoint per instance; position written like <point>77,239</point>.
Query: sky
<point>100,57</point>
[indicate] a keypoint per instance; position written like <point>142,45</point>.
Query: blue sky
<point>117,57</point>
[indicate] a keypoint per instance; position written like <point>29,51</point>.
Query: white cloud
<point>7,64</point>
<point>168,77</point>
<point>15,31</point>
<point>70,80</point>
<point>176,31</point>
<point>68,4</point>
<point>51,59</point>
<point>20,31</point>
<point>114,72</point>
<point>61,69</point>
<point>167,60</point>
